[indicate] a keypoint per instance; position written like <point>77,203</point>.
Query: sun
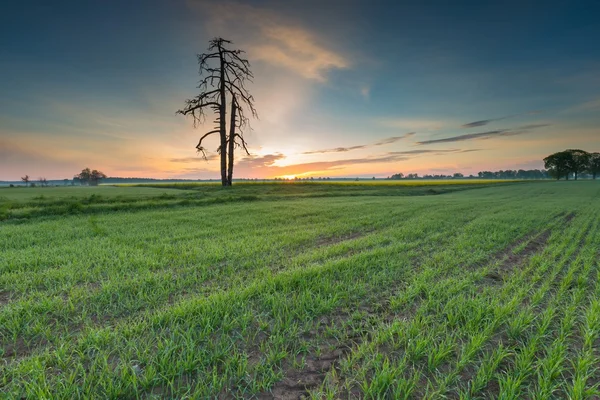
<point>287,176</point>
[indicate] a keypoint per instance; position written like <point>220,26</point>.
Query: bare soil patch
<point>4,298</point>
<point>338,239</point>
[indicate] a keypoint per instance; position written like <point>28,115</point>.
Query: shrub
<point>75,207</point>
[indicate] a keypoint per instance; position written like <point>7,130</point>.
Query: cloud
<point>394,139</point>
<point>337,149</point>
<point>298,50</point>
<point>412,123</point>
<point>479,123</point>
<point>272,38</point>
<point>264,166</point>
<point>259,161</point>
<point>434,152</point>
<point>486,135</point>
<point>484,122</point>
<point>382,142</point>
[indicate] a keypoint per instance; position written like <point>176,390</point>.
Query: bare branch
<point>242,143</point>
<point>199,146</point>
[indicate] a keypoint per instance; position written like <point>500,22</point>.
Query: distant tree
<point>559,164</point>
<point>90,177</point>
<point>26,179</point>
<point>594,165</point>
<point>458,175</point>
<point>84,176</point>
<point>43,181</point>
<point>397,176</point>
<point>224,72</point>
<point>580,161</point>
<point>96,177</point>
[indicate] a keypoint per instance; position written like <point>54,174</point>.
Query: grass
<point>20,194</point>
<point>18,204</point>
<point>327,183</point>
<point>327,291</point>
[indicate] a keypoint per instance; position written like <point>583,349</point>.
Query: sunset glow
<point>340,98</point>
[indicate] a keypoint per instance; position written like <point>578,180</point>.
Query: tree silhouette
<point>559,164</point>
<point>26,180</point>
<point>43,181</point>
<point>594,164</point>
<point>89,177</point>
<point>579,161</point>
<point>223,72</point>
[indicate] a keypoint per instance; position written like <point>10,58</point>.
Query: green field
<point>468,291</point>
<point>18,204</point>
<point>21,194</point>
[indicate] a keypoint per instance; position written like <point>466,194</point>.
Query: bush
<point>75,207</point>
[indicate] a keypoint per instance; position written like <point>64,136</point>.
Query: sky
<point>343,88</point>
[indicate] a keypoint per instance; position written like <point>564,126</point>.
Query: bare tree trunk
<point>231,140</point>
<point>222,122</point>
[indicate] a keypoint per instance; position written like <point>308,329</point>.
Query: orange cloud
<point>271,38</point>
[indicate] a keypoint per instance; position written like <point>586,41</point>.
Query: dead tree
<point>236,135</point>
<point>223,72</point>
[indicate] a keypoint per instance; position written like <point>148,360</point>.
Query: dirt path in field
<point>297,383</point>
<point>4,298</point>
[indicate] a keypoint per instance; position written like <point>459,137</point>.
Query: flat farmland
<point>467,291</point>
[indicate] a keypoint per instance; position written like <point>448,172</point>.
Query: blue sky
<point>343,88</point>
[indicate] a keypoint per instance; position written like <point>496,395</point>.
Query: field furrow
<point>487,293</point>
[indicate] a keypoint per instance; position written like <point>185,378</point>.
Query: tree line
<point>87,177</point>
<point>29,182</point>
<point>572,162</point>
<point>507,174</point>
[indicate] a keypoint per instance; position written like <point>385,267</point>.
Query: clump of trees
<point>89,177</point>
<point>402,176</point>
<point>514,174</point>
<point>572,162</point>
<point>224,74</point>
